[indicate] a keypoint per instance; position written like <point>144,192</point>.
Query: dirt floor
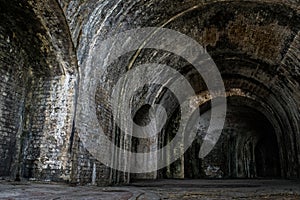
<point>159,189</point>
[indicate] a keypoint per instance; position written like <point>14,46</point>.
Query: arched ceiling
<point>257,41</point>
<point>255,45</point>
<point>40,33</point>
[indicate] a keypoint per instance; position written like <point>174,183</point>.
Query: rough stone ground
<point>160,189</point>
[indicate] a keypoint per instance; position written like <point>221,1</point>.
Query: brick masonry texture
<point>45,47</point>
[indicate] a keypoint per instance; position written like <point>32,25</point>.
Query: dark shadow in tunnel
<point>247,148</point>
<point>267,157</point>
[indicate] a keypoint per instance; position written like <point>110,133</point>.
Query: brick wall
<point>12,97</point>
<point>12,90</point>
<point>48,132</point>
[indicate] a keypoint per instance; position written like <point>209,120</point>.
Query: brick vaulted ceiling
<point>255,45</point>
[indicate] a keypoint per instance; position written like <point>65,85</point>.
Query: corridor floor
<point>159,189</point>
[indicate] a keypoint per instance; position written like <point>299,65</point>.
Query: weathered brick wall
<point>48,132</point>
<point>12,93</point>
<point>253,43</point>
<point>12,97</point>
<point>86,169</point>
<point>255,46</point>
<point>37,91</point>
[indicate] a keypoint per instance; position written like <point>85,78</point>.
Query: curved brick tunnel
<point>44,56</point>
